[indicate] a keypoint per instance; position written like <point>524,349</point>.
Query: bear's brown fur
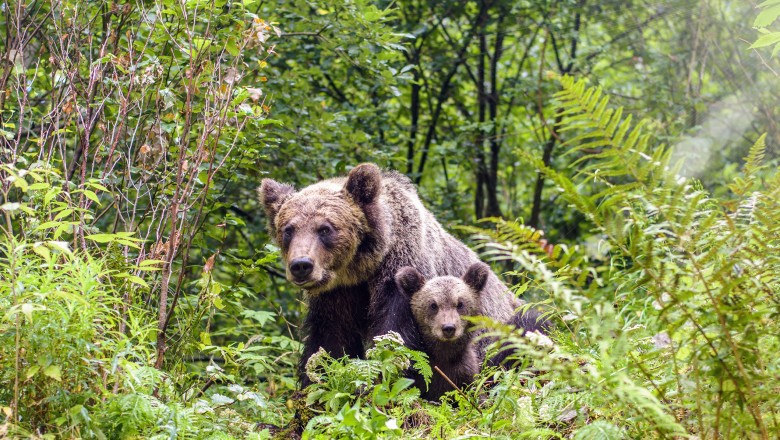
<point>527,321</point>
<point>342,240</point>
<point>439,307</point>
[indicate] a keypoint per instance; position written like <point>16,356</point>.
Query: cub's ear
<point>364,183</point>
<point>272,195</point>
<point>410,280</point>
<point>476,276</point>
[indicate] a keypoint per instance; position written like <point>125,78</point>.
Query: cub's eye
<point>287,233</point>
<point>324,231</point>
<point>460,305</point>
<point>434,307</point>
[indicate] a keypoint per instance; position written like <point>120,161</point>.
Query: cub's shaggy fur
<point>343,240</point>
<point>439,306</point>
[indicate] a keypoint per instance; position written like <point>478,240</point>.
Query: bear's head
<point>440,304</point>
<point>325,231</point>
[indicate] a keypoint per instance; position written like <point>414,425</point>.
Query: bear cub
<point>438,307</point>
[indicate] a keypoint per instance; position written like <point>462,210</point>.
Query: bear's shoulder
<point>395,178</point>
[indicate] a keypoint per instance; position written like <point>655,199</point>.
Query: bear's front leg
<point>390,311</point>
<point>337,322</point>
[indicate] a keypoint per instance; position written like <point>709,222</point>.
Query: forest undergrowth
<point>671,331</point>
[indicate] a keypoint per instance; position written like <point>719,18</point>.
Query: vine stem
<point>17,320</point>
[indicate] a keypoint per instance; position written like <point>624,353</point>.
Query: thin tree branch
<point>443,95</point>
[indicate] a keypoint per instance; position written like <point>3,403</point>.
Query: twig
<point>205,387</point>
<point>457,389</point>
<point>763,61</point>
<point>306,34</point>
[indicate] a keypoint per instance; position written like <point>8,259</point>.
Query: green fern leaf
<point>755,157</point>
<point>599,430</point>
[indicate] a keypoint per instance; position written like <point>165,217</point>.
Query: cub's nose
<point>448,330</point>
<point>301,268</point>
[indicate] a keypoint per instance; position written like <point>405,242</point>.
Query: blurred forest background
<point>141,295</point>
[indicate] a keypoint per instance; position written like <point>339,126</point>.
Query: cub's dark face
<point>440,304</point>
<point>318,229</point>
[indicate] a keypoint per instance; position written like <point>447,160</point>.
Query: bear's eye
<point>460,305</point>
<point>287,233</point>
<point>434,307</point>
<point>324,231</point>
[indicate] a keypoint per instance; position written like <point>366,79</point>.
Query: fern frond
<point>610,145</point>
<point>753,164</point>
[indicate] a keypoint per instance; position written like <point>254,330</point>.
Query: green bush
<point>59,336</point>
<point>77,338</point>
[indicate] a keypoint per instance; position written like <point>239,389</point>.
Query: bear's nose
<point>448,330</point>
<point>301,268</point>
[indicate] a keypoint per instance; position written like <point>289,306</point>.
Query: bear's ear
<point>272,195</point>
<point>476,276</point>
<point>410,280</point>
<point>364,183</point>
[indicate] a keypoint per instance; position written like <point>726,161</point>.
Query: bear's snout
<point>301,268</point>
<point>448,330</point>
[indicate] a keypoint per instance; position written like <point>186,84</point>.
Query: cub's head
<point>440,304</point>
<point>322,228</point>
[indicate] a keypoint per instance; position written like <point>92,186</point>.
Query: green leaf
<point>64,213</point>
<point>201,44</point>
<point>128,243</point>
<point>400,385</point>
<point>41,249</point>
<point>91,196</point>
<point>54,372</point>
<point>269,121</point>
<point>219,399</point>
<point>102,238</point>
<point>21,184</point>
<point>768,3</point>
<point>39,186</point>
<point>766,40</point>
<point>51,194</point>
<point>137,280</point>
<point>767,16</point>
<point>261,316</point>
<point>232,47</point>
<point>97,186</point>
<point>32,371</point>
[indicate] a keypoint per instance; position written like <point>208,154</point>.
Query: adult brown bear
<point>342,241</point>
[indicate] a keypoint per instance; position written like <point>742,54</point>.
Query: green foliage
<point>364,398</point>
<point>676,317</point>
<point>77,341</point>
<point>599,430</point>
<point>768,16</point>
